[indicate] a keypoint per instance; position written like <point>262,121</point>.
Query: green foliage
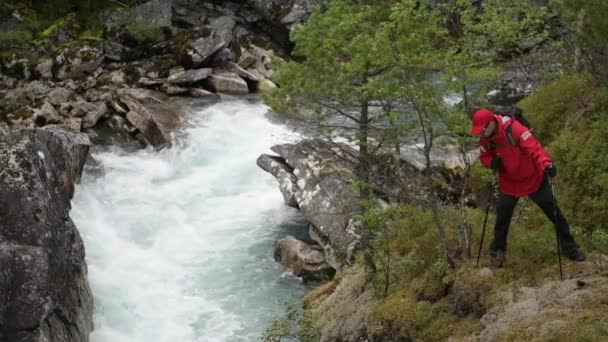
<point>594,28</point>
<point>571,115</point>
<point>14,39</point>
<point>558,105</point>
<point>295,324</point>
<point>583,181</point>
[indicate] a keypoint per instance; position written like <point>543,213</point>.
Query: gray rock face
<point>285,12</point>
<point>44,292</point>
<point>223,26</point>
<point>46,115</point>
<point>228,83</point>
<point>189,76</point>
<point>199,50</point>
<point>153,113</point>
<point>152,13</point>
<point>284,175</point>
<point>322,190</point>
<point>302,259</point>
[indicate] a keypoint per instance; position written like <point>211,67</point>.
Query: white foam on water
<point>179,242</point>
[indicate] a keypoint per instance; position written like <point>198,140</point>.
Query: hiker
<point>524,168</point>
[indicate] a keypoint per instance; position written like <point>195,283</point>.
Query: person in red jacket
<point>523,169</point>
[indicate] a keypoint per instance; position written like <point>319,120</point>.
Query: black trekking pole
<point>559,252</point>
<point>485,221</point>
<point>483,232</point>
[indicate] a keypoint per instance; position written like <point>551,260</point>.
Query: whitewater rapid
<point>179,242</point>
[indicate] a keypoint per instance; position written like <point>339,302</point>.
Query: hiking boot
<point>497,258</point>
<point>574,254</point>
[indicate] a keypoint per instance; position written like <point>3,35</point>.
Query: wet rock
<point>115,132</point>
<point>43,279</point>
<point>152,113</point>
<point>189,76</point>
<point>302,259</point>
<point>284,175</point>
<point>201,93</point>
<point>323,192</point>
<point>173,90</point>
<point>228,83</point>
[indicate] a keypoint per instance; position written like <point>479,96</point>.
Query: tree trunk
<point>364,192</point>
<point>428,176</point>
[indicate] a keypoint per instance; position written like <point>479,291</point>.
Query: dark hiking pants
<point>545,200</point>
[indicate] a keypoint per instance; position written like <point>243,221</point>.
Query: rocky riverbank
<point>122,88</point>
<point>44,291</point>
<point>61,95</point>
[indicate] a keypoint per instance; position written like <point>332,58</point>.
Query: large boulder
<point>284,175</point>
<point>321,185</point>
<point>194,51</point>
<point>154,114</point>
<point>301,259</point>
<point>189,76</point>
<point>228,83</point>
<point>152,13</point>
<point>44,291</point>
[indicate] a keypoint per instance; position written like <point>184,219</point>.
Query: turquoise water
<point>179,242</point>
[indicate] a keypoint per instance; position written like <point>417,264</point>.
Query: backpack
<point>517,114</point>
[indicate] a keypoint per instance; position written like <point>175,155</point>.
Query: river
<point>180,241</point>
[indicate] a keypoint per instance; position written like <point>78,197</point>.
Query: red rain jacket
<point>522,170</point>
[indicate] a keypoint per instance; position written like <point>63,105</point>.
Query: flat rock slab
<point>189,76</point>
<point>228,83</point>
<point>153,113</point>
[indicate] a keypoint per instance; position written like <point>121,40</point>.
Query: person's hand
<point>496,162</point>
<point>551,170</point>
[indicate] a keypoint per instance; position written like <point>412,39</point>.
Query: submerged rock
<point>44,291</point>
<point>153,113</point>
<point>320,184</point>
<point>302,259</point>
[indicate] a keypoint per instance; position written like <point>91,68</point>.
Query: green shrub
<point>294,324</point>
<point>558,105</point>
<point>14,39</point>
